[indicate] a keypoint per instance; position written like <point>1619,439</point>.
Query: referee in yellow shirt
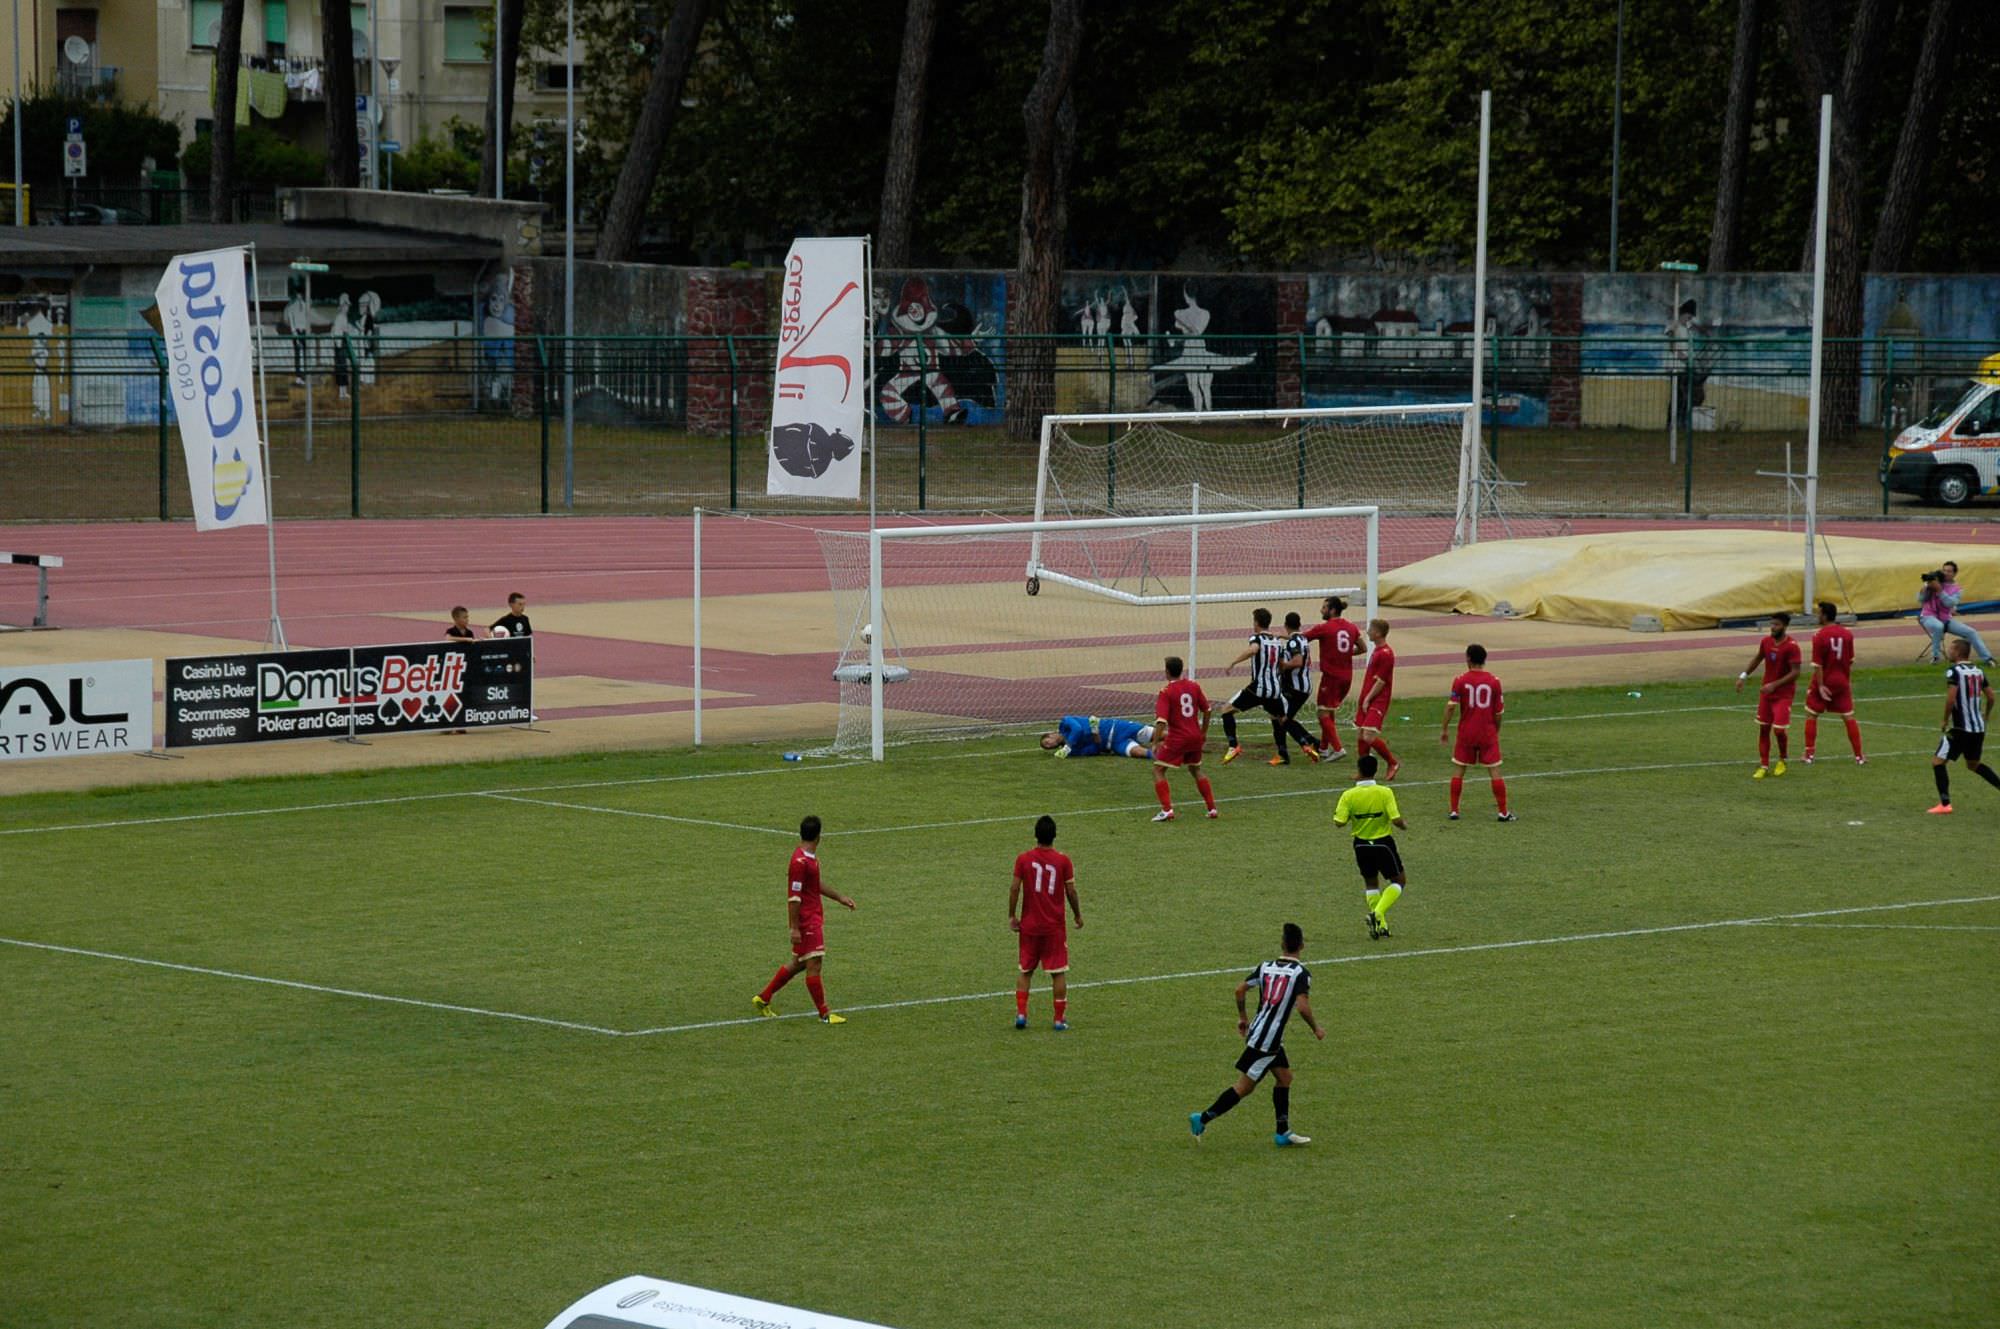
<point>1367,811</point>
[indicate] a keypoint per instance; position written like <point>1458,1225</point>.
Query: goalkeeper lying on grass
<point>1088,736</point>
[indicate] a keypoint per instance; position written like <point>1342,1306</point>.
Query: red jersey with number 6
<point>1180,704</point>
<point>1043,873</point>
<point>1479,704</point>
<point>1337,640</point>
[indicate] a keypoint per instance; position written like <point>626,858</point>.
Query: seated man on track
<point>1088,736</point>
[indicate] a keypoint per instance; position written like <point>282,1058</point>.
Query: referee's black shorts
<point>1379,858</point>
<point>1958,743</point>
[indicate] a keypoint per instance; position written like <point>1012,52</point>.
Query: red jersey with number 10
<point>1780,657</point>
<point>1479,704</point>
<point>1043,873</point>
<point>804,884</point>
<point>1180,704</point>
<point>1833,652</point>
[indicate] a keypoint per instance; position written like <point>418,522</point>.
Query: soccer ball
<point>867,632</point>
<point>499,632</point>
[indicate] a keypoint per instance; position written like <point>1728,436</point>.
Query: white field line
<point>416,798</point>
<point>310,987</point>
<point>634,812</point>
<point>1366,956</point>
<point>1748,701</point>
<point>579,1026</point>
<point>1893,927</point>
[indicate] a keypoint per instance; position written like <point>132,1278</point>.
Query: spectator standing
<point>460,628</point>
<point>515,621</point>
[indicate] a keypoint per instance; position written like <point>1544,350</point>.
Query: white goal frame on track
<point>1194,598</point>
<point>1465,505</point>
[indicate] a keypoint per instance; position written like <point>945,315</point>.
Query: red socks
<point>1021,1003</point>
<point>778,980</point>
<point>1763,747</point>
<point>1853,735</point>
<point>1382,748</point>
<point>1812,731</point>
<point>1783,742</point>
<point>1500,794</point>
<point>1062,1006</point>
<point>818,990</point>
<point>1458,787</point>
<point>1165,796</point>
<point>1207,794</point>
<point>1329,733</point>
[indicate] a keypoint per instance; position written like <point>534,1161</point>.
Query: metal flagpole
<point>20,212</point>
<point>499,107</point>
<point>697,627</point>
<point>569,265</point>
<point>276,635</point>
<point>1818,349</point>
<point>868,358</point>
<point>1470,467</point>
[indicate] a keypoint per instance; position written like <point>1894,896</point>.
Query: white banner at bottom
<point>76,710</point>
<point>653,1303</point>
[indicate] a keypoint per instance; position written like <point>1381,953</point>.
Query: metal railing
<point>384,425</point>
<point>152,207</point>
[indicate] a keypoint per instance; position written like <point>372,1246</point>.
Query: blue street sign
<point>360,104</point>
<point>391,145</point>
<point>75,125</point>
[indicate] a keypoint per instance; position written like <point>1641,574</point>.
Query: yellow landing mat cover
<point>1689,579</point>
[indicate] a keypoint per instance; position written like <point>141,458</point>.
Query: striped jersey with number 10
<point>1968,698</point>
<point>1279,983</point>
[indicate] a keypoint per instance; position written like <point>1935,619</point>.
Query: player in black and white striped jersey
<point>1265,691</point>
<point>1968,704</point>
<point>1295,689</point>
<point>1282,986</point>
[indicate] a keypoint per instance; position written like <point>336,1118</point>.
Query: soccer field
<point>454,1045</point>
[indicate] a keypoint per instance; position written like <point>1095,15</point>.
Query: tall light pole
<point>569,263</point>
<point>499,107</point>
<point>1617,126</point>
<point>20,213</point>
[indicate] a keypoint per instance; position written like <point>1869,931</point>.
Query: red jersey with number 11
<point>1043,873</point>
<point>1180,705</point>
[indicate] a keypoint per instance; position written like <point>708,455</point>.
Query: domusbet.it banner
<point>205,319</point>
<point>820,395</point>
<point>365,691</point>
<point>76,710</point>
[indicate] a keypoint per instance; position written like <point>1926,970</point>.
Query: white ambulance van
<point>1952,455</point>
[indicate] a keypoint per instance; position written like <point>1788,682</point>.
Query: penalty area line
<point>1767,920</point>
<point>635,812</point>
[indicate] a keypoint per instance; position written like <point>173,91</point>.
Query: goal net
<point>1418,464</point>
<point>945,632</point>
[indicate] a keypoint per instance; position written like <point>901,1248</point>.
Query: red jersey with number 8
<point>1181,704</point>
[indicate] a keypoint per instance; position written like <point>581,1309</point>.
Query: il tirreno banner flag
<point>820,394</point>
<point>205,318</point>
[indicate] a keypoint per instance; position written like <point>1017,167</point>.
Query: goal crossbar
<point>1203,598</point>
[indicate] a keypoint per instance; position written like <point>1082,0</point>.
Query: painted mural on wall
<point>1731,344</point>
<point>36,383</point>
<point>1398,341</point>
<point>936,347</point>
<point>1909,373</point>
<point>1112,372</point>
<point>1197,365</point>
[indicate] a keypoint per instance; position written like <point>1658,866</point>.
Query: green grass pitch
<point>1660,1112</point>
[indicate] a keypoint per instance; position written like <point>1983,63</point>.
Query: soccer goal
<point>1420,464</point>
<point>983,626</point>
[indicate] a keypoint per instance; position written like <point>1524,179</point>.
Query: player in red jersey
<point>808,919</point>
<point>1829,688</point>
<point>1181,715</point>
<point>1780,655</point>
<point>1043,880</point>
<point>1475,696</point>
<point>1378,685</point>
<point>1339,642</point>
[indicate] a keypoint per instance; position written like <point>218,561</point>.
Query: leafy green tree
<point>121,138</point>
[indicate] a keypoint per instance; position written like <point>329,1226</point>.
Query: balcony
<point>91,83</point>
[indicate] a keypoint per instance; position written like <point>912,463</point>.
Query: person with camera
<point>1937,610</point>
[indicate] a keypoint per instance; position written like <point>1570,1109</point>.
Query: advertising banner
<point>820,394</point>
<point>205,319</point>
<point>76,710</point>
<point>359,692</point>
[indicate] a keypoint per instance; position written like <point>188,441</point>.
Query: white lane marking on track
<point>1662,930</point>
<point>417,798</point>
<point>634,812</point>
<point>310,987</point>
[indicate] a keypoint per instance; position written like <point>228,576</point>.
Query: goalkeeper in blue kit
<point>1088,736</point>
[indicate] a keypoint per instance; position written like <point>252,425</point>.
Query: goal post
<point>1420,463</point>
<point>944,634</point>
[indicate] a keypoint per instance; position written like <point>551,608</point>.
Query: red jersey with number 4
<point>1337,640</point>
<point>1382,665</point>
<point>1479,704</point>
<point>1043,873</point>
<point>1833,652</point>
<point>1180,705</point>
<point>805,885</point>
<point>1780,656</point>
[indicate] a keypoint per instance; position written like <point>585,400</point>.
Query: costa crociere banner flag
<point>205,318</point>
<point>819,397</point>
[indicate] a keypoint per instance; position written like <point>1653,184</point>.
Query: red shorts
<point>1048,950</point>
<point>1774,710</point>
<point>1839,700</point>
<point>1172,751</point>
<point>1333,690</point>
<point>812,939</point>
<point>1373,716</point>
<point>1483,750</point>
